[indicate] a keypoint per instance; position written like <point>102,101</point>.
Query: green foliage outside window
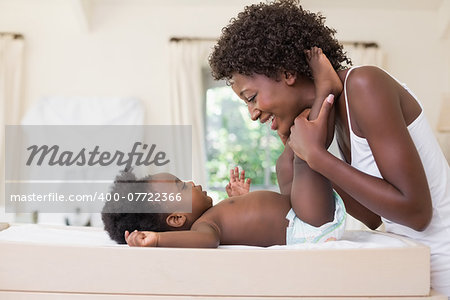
<point>233,139</point>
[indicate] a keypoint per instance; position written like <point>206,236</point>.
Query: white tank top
<point>437,234</point>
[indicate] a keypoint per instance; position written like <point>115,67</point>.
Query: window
<point>233,139</point>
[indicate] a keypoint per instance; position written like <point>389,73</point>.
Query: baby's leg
<point>312,197</point>
<point>285,170</point>
<point>326,80</point>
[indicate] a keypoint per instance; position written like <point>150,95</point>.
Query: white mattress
<point>65,235</point>
<point>84,261</point>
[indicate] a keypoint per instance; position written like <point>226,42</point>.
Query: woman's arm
<point>204,236</point>
<point>402,195</point>
<point>358,211</point>
<point>353,207</point>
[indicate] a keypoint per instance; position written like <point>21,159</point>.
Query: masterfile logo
<point>94,157</point>
<point>62,168</point>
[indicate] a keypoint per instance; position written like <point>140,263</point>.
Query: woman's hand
<point>141,238</point>
<point>308,137</point>
<point>237,185</point>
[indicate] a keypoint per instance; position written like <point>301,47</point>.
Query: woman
<point>392,169</point>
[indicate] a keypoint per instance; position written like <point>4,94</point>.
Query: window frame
<point>210,83</point>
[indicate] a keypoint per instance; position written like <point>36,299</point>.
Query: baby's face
<point>170,184</point>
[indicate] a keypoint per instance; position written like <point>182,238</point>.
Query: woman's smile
<point>272,102</point>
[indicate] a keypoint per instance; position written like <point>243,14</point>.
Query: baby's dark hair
<point>268,38</point>
<point>116,215</point>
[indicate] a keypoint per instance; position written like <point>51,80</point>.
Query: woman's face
<point>276,101</point>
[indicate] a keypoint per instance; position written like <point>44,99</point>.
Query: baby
<point>259,218</point>
<point>307,210</point>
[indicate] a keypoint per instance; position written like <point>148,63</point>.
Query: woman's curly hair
<point>267,38</point>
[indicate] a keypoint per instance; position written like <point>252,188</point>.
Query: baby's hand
<point>141,238</point>
<point>237,185</point>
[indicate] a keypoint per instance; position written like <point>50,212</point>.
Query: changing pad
<point>85,236</point>
<point>85,261</point>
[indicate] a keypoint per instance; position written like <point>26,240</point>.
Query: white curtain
<point>364,54</point>
<point>11,100</point>
<point>187,96</point>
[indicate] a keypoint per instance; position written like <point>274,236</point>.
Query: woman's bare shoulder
<point>368,77</point>
<point>372,96</point>
<point>371,88</point>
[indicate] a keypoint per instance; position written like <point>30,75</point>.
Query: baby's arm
<point>237,185</point>
<point>202,235</point>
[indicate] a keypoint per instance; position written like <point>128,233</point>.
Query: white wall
<point>125,51</point>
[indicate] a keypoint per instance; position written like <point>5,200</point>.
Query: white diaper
<point>299,232</point>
